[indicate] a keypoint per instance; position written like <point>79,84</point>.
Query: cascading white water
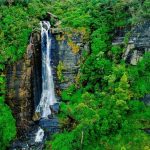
<point>39,135</point>
<point>48,95</point>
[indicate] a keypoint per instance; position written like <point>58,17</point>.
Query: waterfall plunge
<point>48,95</point>
<point>39,135</point>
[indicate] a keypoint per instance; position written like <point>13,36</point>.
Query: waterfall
<point>48,95</point>
<point>39,135</point>
<point>44,125</point>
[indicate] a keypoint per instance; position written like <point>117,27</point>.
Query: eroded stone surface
<point>24,85</point>
<point>139,43</point>
<point>63,52</point>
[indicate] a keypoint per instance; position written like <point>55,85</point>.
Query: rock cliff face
<point>23,84</point>
<point>138,42</point>
<point>19,93</point>
<point>67,52</point>
<point>24,81</point>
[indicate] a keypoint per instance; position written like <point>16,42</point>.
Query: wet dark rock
<point>147,131</point>
<point>49,123</point>
<point>36,88</point>
<point>19,144</point>
<point>146,100</point>
<point>55,108</point>
<point>27,141</point>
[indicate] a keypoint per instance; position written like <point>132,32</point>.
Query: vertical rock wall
<point>36,68</point>
<point>138,42</point>
<point>19,92</point>
<point>67,52</point>
<point>24,84</point>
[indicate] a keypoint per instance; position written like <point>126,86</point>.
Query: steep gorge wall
<point>138,42</point>
<point>67,56</point>
<point>24,84</point>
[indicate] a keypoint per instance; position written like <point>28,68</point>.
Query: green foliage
<point>14,2</point>
<point>60,68</point>
<point>7,126</point>
<point>17,22</point>
<point>146,9</point>
<point>139,76</point>
<point>7,122</point>
<point>103,111</point>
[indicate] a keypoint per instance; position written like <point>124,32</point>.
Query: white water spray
<point>39,135</point>
<point>48,95</point>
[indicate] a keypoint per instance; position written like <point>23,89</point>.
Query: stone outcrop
<point>19,92</point>
<point>67,54</point>
<point>27,141</point>
<point>146,100</point>
<point>138,42</point>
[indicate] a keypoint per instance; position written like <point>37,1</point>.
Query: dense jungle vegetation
<point>102,110</point>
